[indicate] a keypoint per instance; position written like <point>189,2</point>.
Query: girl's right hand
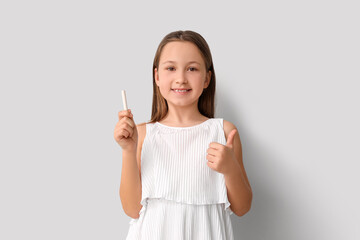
<point>125,133</point>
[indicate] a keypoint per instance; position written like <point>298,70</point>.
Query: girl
<point>182,172</point>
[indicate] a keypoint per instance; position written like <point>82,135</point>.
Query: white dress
<point>182,197</point>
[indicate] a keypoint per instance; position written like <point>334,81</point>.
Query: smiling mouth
<point>181,90</point>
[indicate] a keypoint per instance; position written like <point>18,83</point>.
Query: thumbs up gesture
<point>221,158</point>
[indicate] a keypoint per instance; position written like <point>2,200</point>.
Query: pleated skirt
<point>162,219</point>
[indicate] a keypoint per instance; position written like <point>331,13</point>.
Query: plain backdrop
<point>287,77</point>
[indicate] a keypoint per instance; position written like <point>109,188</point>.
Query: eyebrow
<point>175,62</point>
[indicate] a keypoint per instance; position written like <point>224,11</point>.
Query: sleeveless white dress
<point>182,197</point>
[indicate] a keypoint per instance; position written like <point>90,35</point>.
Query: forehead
<point>181,52</point>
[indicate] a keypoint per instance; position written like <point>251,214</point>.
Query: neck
<point>183,115</point>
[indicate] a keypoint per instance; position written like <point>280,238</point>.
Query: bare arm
<point>130,137</point>
<point>238,186</point>
<point>130,186</point>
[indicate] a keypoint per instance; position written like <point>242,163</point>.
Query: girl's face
<point>181,66</point>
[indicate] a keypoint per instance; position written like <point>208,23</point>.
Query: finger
<point>230,139</point>
<point>129,129</point>
<point>121,133</point>
<point>125,130</point>
<point>212,151</point>
<point>125,113</point>
<point>215,145</point>
<point>210,164</point>
<point>129,121</point>
<point>124,133</point>
<point>130,124</point>
<point>210,158</point>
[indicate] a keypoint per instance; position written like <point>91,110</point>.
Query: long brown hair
<point>207,98</point>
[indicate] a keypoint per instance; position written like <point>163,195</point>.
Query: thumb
<point>230,139</point>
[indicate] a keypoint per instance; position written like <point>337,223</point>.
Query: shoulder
<point>141,126</point>
<point>141,129</point>
<point>228,127</point>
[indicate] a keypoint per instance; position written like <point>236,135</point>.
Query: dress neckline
<point>197,125</point>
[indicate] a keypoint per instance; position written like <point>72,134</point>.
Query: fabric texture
<point>182,197</point>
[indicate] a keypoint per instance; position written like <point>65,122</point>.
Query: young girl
<point>182,172</point>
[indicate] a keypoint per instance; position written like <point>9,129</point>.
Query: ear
<point>208,77</point>
<point>156,74</point>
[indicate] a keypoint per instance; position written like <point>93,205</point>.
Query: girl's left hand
<point>221,158</point>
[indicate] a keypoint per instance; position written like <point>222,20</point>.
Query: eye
<point>193,68</point>
<point>169,68</point>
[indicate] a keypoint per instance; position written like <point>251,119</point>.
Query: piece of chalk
<point>124,99</point>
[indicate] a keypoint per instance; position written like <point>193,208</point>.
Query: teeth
<point>180,90</point>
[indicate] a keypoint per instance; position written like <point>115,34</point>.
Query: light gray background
<point>287,77</point>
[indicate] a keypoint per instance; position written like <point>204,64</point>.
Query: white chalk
<point>124,99</point>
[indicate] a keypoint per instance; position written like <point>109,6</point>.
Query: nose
<point>181,78</point>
